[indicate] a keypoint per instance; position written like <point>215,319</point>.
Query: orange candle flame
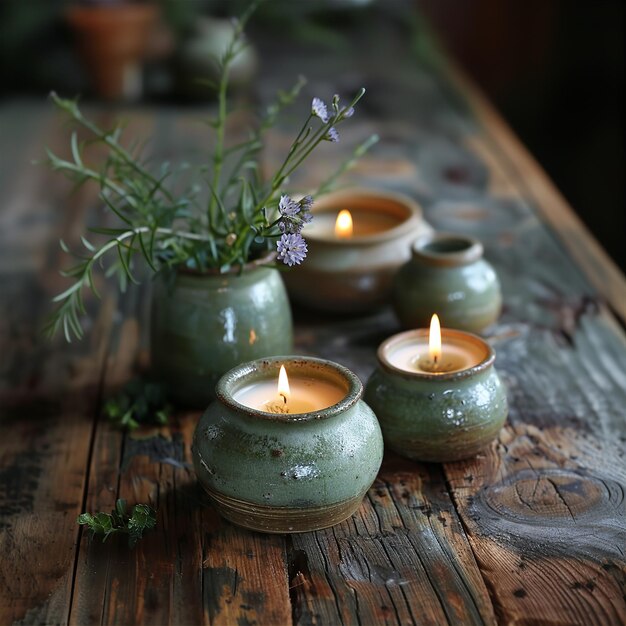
<point>343,225</point>
<point>283,385</point>
<point>434,339</point>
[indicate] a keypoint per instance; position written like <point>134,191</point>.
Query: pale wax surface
<point>306,395</point>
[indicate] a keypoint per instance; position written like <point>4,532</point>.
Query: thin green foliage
<point>168,224</point>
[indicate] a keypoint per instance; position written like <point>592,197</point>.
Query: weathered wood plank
<point>402,559</point>
<point>244,576</point>
<point>48,395</point>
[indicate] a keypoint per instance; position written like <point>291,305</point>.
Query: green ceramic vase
<point>205,324</point>
<point>447,275</point>
<point>438,417</point>
<point>282,473</point>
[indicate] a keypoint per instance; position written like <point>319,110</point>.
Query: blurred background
<point>554,68</point>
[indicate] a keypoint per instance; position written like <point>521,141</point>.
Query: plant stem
<point>218,157</point>
<point>276,180</point>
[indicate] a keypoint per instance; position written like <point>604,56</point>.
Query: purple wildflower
<point>288,207</point>
<point>294,215</point>
<point>318,108</point>
<point>305,209</point>
<point>291,248</point>
<point>347,112</point>
<point>332,135</point>
<point>306,203</point>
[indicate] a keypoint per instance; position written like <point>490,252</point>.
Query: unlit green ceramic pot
<point>284,473</point>
<point>447,275</point>
<point>438,417</point>
<point>205,324</point>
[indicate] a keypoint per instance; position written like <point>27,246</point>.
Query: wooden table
<point>532,531</point>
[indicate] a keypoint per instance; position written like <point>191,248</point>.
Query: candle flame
<point>283,384</point>
<point>434,339</point>
<point>343,225</point>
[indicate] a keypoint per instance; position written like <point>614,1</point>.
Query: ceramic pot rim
<point>384,362</point>
<point>414,210</point>
<point>469,249</point>
<point>228,382</point>
<point>264,261</point>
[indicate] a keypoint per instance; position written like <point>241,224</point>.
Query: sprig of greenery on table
<point>135,524</point>
<point>139,402</point>
<point>217,216</point>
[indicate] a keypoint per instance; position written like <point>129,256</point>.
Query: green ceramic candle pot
<point>285,473</point>
<point>447,275</point>
<point>354,273</point>
<point>205,324</point>
<point>437,416</point>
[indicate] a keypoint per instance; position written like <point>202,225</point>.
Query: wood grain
<point>401,560</point>
<point>48,395</point>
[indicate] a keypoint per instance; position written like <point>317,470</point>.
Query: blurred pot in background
<point>113,39</point>
<point>197,55</point>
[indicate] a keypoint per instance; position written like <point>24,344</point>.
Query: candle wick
<point>284,397</point>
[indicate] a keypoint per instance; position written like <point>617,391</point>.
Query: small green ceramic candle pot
<point>447,275</point>
<point>281,472</point>
<point>440,416</point>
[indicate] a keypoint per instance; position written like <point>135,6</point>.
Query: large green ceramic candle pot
<point>437,415</point>
<point>205,324</point>
<point>351,269</point>
<point>274,470</point>
<point>447,275</point>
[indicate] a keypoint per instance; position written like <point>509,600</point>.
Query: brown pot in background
<point>113,41</point>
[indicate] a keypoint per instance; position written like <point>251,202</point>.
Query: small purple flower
<point>318,108</point>
<point>294,215</point>
<point>305,209</point>
<point>306,203</point>
<point>291,248</point>
<point>347,112</point>
<point>288,207</point>
<point>332,135</point>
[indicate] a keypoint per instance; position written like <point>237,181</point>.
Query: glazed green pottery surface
<point>438,418</point>
<point>287,473</point>
<point>355,274</point>
<point>204,325</point>
<point>448,276</point>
